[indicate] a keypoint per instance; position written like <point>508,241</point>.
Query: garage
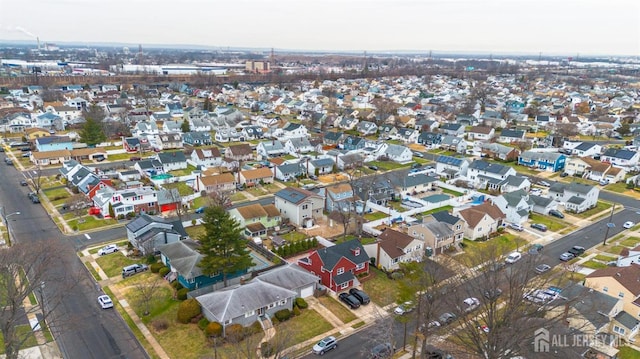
<point>306,291</point>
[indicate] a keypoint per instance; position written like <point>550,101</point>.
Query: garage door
<point>306,292</point>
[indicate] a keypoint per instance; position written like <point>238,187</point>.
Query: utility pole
<point>609,225</point>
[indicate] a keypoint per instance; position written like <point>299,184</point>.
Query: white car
<point>513,257</point>
<point>471,304</point>
<point>404,308</point>
<point>105,301</point>
<point>111,248</point>
<point>325,345</point>
<point>628,224</point>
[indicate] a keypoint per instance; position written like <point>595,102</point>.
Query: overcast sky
<point>567,27</point>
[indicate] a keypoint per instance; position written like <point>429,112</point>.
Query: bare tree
<point>25,270</point>
<point>566,130</point>
<point>523,145</point>
<point>146,293</point>
<point>174,195</point>
<point>36,179</point>
<point>220,198</point>
<point>76,203</point>
<point>282,340</point>
<point>384,109</point>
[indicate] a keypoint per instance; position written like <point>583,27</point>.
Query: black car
<point>416,165</point>
<point>447,318</point>
<point>539,226</point>
<point>564,174</point>
<point>556,213</point>
<point>375,168</point>
<point>361,296</point>
<point>382,351</point>
<point>349,300</point>
<point>576,250</point>
<point>35,199</point>
<point>23,183</point>
<point>492,294</point>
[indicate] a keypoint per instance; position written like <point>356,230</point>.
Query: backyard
<point>476,251</point>
<point>382,290</point>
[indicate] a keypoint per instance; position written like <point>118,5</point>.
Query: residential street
<point>87,331</point>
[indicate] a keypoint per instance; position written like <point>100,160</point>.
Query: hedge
<point>202,323</point>
<point>182,293</point>
<point>155,267</point>
<point>187,310</point>
<point>301,303</point>
<point>296,247</point>
<point>213,329</point>
<point>235,333</point>
<point>164,271</point>
<point>283,315</point>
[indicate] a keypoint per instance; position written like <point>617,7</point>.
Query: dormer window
<point>356,251</point>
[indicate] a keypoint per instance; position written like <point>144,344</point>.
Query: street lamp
<point>6,221</point>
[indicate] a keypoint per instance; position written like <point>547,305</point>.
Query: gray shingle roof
<point>330,256</point>
<point>294,195</point>
<point>445,217</point>
<point>439,229</point>
<point>489,167</point>
<point>289,276</point>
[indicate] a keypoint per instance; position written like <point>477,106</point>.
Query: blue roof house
<point>53,143</point>
<point>547,161</point>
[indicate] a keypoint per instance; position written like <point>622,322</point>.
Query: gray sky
<point>497,26</point>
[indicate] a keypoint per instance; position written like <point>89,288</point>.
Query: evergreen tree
<point>222,245</point>
<point>185,127</point>
<point>92,133</point>
<point>112,213</point>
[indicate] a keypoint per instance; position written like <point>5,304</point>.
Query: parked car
<point>556,213</point>
<point>108,249</point>
<point>517,227</point>
<point>105,301</point>
<point>564,174</point>
<point>536,192</point>
<point>544,183</point>
<point>535,248</point>
<point>471,304</point>
<point>404,308</point>
<point>382,351</point>
<point>539,226</point>
<point>418,154</point>
<point>492,294</point>
<point>26,154</point>
<point>542,268</point>
<point>325,345</point>
<point>313,177</point>
<point>416,166</point>
<point>349,300</point>
<point>35,199</point>
<point>134,158</point>
<point>361,296</point>
<point>375,168</point>
<point>23,182</point>
<point>130,270</point>
<point>566,256</point>
<point>8,161</point>
<point>576,250</point>
<point>628,224</point>
<point>447,318</point>
<point>200,209</point>
<point>513,257</point>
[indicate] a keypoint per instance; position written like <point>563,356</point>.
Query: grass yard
<point>451,192</point>
<point>238,196</point>
<point>271,188</point>
<point>22,332</point>
<point>57,194</point>
<point>183,172</point>
<point>475,251</point>
<point>382,290</point>
<point>112,264</point>
<point>630,242</point>
<point>121,244</point>
<point>615,250</point>
<point>628,353</point>
<point>256,192</point>
<point>387,165</point>
<point>373,216</point>
<point>593,264</point>
<point>554,224</point>
<point>90,222</point>
<point>343,313</point>
<point>445,208</point>
<point>600,207</point>
<point>294,236</point>
<point>307,325</point>
<point>182,187</point>
<point>200,202</point>
<point>93,271</point>
<point>604,258</point>
<point>195,231</point>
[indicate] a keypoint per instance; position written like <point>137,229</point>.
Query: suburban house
<point>406,135</point>
<point>253,177</point>
<point>320,166</point>
<point>223,182</point>
<point>547,161</point>
<point>515,205</point>
<point>126,201</point>
<point>587,149</point>
<point>35,132</point>
<point>260,298</point>
<point>148,233</point>
<point>366,128</point>
<point>620,157</point>
<point>392,248</point>
<point>429,138</point>
<point>352,143</point>
<point>451,167</point>
<point>338,197</point>
<point>88,153</point>
<point>299,206</point>
<point>577,197</point>
<point>481,220</point>
<point>453,143</point>
<point>169,199</point>
<point>256,219</point>
<point>172,161</point>
<point>182,258</point>
<point>168,141</point>
<point>53,143</point>
<point>349,160</point>
<point>273,148</point>
<point>396,153</point>
<point>514,183</point>
<point>452,129</point>
<point>206,157</point>
<point>289,171</point>
<point>240,152</point>
<point>387,131</point>
<point>628,257</point>
<point>438,231</point>
<point>131,144</point>
<point>587,167</point>
<point>378,191</point>
<point>497,151</point>
<point>488,175</point>
<point>50,157</point>
<point>332,138</point>
<point>338,266</point>
<point>511,136</point>
<point>481,133</point>
<point>542,205</point>
<point>413,183</point>
<point>149,167</point>
<point>298,145</point>
<point>199,138</point>
<point>619,283</point>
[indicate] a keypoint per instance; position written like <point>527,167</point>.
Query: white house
<point>515,205</point>
<point>172,161</point>
<point>577,197</point>
<point>300,206</point>
<point>209,157</point>
<point>396,153</point>
<point>297,145</point>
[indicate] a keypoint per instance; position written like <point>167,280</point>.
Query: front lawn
<point>338,309</point>
<point>22,332</point>
<point>387,165</point>
<point>57,195</point>
<point>628,353</point>
<point>630,242</point>
<point>553,224</point>
<point>195,231</point>
<point>238,196</point>
<point>593,264</point>
<point>382,290</point>
<point>600,207</point>
<point>307,325</point>
<point>183,188</point>
<point>112,264</point>
<point>615,250</point>
<point>475,251</point>
<point>89,222</point>
<point>604,258</point>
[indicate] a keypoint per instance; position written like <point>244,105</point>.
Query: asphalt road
<point>86,331</point>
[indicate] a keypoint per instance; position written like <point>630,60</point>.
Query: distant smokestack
<point>38,39</point>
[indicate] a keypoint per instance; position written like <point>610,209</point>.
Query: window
<point>305,206</point>
<point>605,289</point>
<point>340,271</point>
<point>249,314</point>
<point>344,285</point>
<point>227,322</point>
<point>621,295</point>
<point>360,266</point>
<point>283,302</point>
<point>458,227</point>
<point>271,305</point>
<point>618,330</point>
